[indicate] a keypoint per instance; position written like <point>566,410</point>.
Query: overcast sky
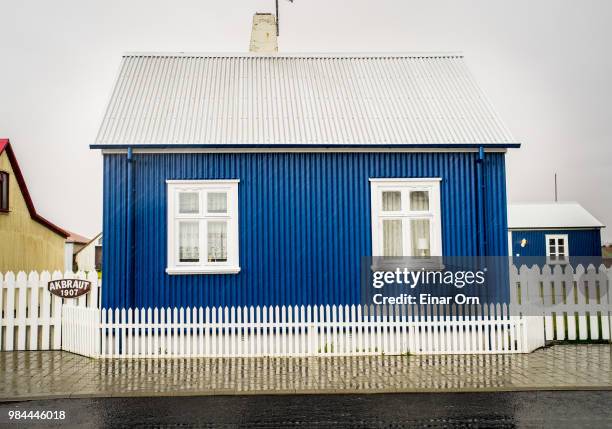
<point>545,65</point>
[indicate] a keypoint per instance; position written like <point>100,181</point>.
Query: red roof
<point>5,145</point>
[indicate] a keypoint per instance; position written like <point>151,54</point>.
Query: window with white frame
<point>406,217</point>
<point>556,248</point>
<point>202,227</point>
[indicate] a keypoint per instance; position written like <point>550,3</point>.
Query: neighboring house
<point>553,233</point>
<point>74,243</point>
<point>264,179</point>
<point>89,258</point>
<point>27,240</point>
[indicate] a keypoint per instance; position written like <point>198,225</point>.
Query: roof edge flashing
<point>475,146</point>
<point>441,54</point>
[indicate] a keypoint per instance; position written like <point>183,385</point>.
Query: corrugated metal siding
<point>304,222</point>
<point>584,245</point>
<point>324,99</point>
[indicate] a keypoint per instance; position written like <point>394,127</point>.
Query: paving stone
<point>62,374</point>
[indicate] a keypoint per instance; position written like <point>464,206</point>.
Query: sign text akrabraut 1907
<point>415,278</point>
<point>69,288</point>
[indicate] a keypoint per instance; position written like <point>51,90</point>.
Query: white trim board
<point>301,150</point>
<point>202,181</point>
<point>405,179</point>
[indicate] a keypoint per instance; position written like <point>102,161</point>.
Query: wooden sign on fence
<point>69,288</point>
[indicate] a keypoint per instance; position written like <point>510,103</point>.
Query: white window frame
<point>565,254</point>
<point>405,186</point>
<point>203,187</point>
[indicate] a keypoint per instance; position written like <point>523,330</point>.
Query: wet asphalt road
<point>503,410</point>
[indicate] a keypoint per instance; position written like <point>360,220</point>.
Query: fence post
<point>608,291</point>
<point>22,286</point>
<point>534,319</point>
<point>312,339</point>
<point>33,285</point>
<point>2,285</point>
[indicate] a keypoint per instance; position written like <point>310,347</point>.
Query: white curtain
<point>392,237</point>
<point>419,201</point>
<point>189,241</point>
<point>189,202</point>
<point>217,202</point>
<point>217,241</point>
<point>392,201</point>
<point>419,231</point>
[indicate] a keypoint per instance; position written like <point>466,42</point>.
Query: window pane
<point>217,241</point>
<point>189,239</point>
<point>189,202</point>
<point>217,202</point>
<point>392,238</point>
<point>420,237</point>
<point>419,201</point>
<point>392,201</point>
<point>551,241</point>
<point>4,183</point>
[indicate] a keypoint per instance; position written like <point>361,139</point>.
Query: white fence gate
<point>30,316</point>
<point>81,330</point>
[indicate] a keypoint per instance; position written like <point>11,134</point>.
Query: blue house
<point>553,233</point>
<point>257,179</point>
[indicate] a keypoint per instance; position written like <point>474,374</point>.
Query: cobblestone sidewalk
<point>37,375</point>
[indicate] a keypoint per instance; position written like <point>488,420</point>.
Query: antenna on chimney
<point>556,195</point>
<point>277,27</point>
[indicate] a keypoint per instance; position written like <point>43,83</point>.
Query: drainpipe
<point>129,271</point>
<point>480,201</point>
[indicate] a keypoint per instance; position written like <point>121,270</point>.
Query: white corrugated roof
<point>291,99</point>
<point>550,215</point>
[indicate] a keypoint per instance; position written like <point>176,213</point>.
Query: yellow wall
<point>25,244</point>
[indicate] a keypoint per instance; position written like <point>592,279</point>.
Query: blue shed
<point>256,179</point>
<point>553,233</point>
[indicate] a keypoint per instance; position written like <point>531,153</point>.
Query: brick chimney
<point>263,34</point>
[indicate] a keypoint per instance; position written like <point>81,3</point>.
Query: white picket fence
<point>308,331</point>
<point>30,316</point>
<point>545,305</point>
<point>571,304</point>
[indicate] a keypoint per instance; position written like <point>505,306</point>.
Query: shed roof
<point>76,238</point>
<point>89,243</point>
<point>298,100</point>
<point>550,215</point>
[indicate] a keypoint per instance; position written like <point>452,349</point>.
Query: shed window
<point>4,191</point>
<point>557,250</point>
<point>406,217</point>
<point>203,227</point>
